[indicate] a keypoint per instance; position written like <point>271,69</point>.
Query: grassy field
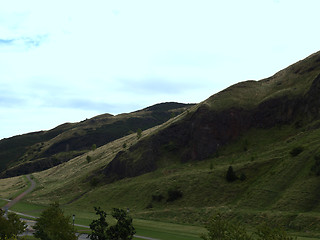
<point>12,187</point>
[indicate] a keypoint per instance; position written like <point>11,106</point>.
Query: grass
<point>12,187</point>
<point>3,202</point>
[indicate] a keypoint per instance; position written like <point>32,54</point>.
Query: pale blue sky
<point>64,61</point>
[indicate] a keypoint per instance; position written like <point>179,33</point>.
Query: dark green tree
<point>123,229</point>
<point>101,230</point>
<point>53,225</point>
<point>231,175</point>
<point>99,227</point>
<point>11,226</point>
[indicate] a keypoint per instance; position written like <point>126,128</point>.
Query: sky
<point>65,61</point>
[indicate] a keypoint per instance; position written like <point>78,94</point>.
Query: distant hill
<point>41,150</point>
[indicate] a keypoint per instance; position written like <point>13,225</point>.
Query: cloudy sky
<point>65,61</point>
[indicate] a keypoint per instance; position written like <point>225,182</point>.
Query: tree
<point>53,225</point>
<point>11,226</point>
<point>99,227</point>
<point>231,176</point>
<point>123,229</point>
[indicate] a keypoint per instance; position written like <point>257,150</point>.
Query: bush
<point>139,133</point>
<point>94,147</point>
<point>221,229</point>
<point>94,182</point>
<point>231,176</point>
<point>243,177</point>
<point>89,159</point>
<point>296,151</point>
<point>157,198</point>
<point>174,194</point>
<point>265,232</point>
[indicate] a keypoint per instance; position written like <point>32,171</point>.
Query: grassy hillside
<point>278,186</point>
<point>268,131</point>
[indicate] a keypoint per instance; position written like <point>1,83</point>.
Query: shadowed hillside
<point>42,150</point>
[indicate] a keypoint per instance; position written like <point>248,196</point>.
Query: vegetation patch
<point>296,151</point>
<point>174,194</point>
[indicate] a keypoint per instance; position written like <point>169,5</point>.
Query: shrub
<point>157,198</point>
<point>94,147</point>
<point>139,133</point>
<point>89,159</point>
<point>149,206</point>
<point>243,177</point>
<point>221,229</point>
<point>265,232</point>
<point>174,194</point>
<point>231,176</point>
<point>296,151</point>
<point>94,181</point>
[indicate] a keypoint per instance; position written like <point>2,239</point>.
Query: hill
<point>267,131</point>
<point>288,97</point>
<point>42,150</point>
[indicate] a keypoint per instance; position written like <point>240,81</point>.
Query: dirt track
<point>18,198</point>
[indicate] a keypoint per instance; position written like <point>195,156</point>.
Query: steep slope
<point>290,96</point>
<point>268,131</point>
<point>42,150</point>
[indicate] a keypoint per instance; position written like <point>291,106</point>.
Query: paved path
<point>18,198</point>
